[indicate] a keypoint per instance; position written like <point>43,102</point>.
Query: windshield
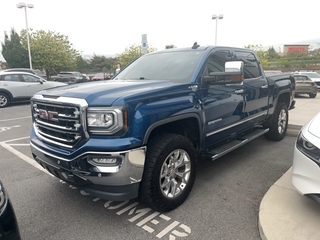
<point>174,66</point>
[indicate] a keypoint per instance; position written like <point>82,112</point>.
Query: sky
<point>105,27</point>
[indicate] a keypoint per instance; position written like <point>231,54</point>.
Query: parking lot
<point>223,204</point>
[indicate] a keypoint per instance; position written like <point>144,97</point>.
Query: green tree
<point>272,54</point>
<point>51,51</point>
<point>131,53</point>
<point>102,63</point>
<point>82,65</point>
<point>15,54</point>
<point>170,46</point>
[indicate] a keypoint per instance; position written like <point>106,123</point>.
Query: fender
<point>2,90</point>
<point>172,119</point>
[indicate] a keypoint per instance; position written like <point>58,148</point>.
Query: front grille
<point>58,124</point>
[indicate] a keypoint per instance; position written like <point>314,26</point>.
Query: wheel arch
<point>188,125</point>
<point>2,90</point>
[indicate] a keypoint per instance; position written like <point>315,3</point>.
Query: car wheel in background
<point>4,100</point>
<point>312,95</point>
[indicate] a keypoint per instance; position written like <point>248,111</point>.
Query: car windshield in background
<point>171,65</point>
<point>312,74</point>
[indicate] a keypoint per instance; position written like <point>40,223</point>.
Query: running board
<point>228,147</point>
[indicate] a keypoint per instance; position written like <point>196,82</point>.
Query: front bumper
<point>116,182</point>
<point>305,175</point>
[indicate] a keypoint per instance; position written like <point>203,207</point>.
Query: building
<point>298,48</point>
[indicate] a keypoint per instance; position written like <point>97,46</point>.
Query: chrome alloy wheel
<point>175,173</point>
<point>3,100</point>
<point>282,121</point>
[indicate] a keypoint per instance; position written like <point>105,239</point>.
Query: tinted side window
<point>216,62</point>
<point>251,64</point>
<point>30,78</point>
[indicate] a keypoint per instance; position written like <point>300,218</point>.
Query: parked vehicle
<point>304,85</point>
<point>86,77</point>
<point>28,70</point>
<point>21,86</point>
<point>70,77</point>
<point>140,134</point>
<point>9,229</point>
<point>100,76</point>
<point>314,76</point>
<point>306,160</point>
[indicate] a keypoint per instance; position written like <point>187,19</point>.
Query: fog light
<point>102,160</point>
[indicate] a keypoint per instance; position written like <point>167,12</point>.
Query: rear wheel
<point>4,100</point>
<point>279,124</point>
<point>169,173</point>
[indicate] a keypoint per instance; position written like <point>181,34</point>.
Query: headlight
<point>2,197</point>
<point>106,120</point>
<point>308,149</point>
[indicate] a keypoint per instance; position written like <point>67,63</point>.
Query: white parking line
<point>12,119</point>
<point>19,144</point>
<point>15,139</point>
<point>23,157</point>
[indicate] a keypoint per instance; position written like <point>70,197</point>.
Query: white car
<point>21,86</point>
<point>314,76</point>
<point>306,160</point>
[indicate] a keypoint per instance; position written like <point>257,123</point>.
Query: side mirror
<point>233,74</point>
<point>41,81</point>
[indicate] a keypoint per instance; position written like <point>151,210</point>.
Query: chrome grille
<point>58,124</point>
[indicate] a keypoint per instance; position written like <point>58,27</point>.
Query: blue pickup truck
<point>142,133</point>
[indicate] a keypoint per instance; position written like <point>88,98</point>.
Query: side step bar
<point>228,147</point>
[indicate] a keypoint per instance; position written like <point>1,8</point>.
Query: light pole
<point>25,6</point>
<point>216,17</point>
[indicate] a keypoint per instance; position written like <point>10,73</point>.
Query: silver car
<point>21,86</point>
<point>304,85</point>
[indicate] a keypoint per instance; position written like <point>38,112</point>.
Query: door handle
<point>264,86</point>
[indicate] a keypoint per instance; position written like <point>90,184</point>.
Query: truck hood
<point>107,92</point>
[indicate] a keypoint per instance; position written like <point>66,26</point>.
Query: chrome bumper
<point>103,180</point>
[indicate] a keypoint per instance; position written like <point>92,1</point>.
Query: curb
<point>293,130</point>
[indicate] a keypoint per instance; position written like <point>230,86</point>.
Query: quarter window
<point>11,78</point>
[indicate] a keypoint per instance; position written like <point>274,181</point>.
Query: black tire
<point>156,189</point>
<point>279,124</point>
<point>312,95</point>
<point>4,100</point>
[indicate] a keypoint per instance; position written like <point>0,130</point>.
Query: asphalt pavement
<point>284,213</point>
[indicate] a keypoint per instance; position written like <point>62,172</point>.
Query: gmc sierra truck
<point>141,133</point>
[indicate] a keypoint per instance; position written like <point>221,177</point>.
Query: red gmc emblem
<point>48,115</point>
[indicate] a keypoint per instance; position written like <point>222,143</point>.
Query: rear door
<point>256,88</point>
<point>13,84</point>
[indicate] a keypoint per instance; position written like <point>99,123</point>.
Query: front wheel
<point>169,173</point>
<point>279,124</point>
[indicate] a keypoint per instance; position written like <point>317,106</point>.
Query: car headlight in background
<point>308,149</point>
<point>107,120</point>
